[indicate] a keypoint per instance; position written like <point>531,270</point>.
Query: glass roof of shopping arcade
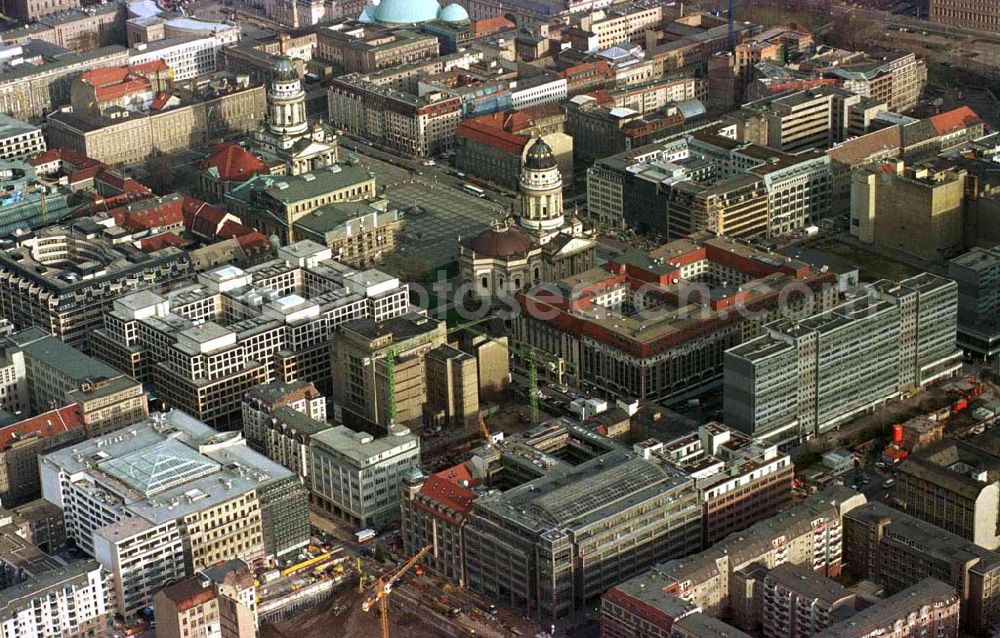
<point>160,467</point>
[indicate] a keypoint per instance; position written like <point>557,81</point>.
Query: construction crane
<point>485,431</point>
<point>383,587</point>
<point>530,355</point>
<point>390,382</point>
<point>731,35</point>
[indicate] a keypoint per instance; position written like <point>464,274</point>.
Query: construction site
<point>389,602</point>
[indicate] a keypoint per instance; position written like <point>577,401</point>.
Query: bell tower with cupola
<point>541,191</point>
<point>287,135</point>
<point>286,101</point>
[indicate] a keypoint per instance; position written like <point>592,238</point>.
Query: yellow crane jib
<point>383,587</point>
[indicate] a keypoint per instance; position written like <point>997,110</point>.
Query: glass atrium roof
<point>159,468</point>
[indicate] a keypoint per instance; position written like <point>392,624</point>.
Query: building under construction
<point>26,202</point>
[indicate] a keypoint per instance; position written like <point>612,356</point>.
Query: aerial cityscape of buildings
<point>539,318</point>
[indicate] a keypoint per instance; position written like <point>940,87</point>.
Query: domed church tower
<point>541,190</point>
<point>286,101</point>
<point>287,136</point>
<point>547,247</point>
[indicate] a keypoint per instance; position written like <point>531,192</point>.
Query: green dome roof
<point>406,11</point>
<point>284,70</point>
<point>540,156</point>
<point>454,12</point>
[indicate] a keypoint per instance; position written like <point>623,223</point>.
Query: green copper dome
<point>406,11</point>
<point>540,156</point>
<point>284,70</point>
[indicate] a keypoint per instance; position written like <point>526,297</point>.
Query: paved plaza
<point>447,211</point>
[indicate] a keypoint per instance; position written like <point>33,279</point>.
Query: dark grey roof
<point>41,346</point>
<point>299,422</point>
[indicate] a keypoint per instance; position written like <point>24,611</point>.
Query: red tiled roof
<point>201,217</point>
<point>491,25</point>
<point>111,83</point>
<point>105,75</point>
<point>189,593</point>
<point>157,242</point>
<point>880,143</point>
<point>451,488</point>
<point>586,68</point>
<point>148,214</point>
<point>66,156</point>
<point>47,424</point>
<point>51,155</point>
<point>253,241</point>
<point>603,97</point>
<point>955,120</point>
<point>493,130</point>
<point>231,228</point>
<point>153,66</point>
<point>85,174</point>
<point>160,101</point>
<point>115,91</point>
<point>234,163</point>
<point>115,183</point>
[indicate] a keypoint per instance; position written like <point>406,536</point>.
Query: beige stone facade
<point>144,135</point>
<point>973,14</point>
<point>31,10</point>
<point>418,126</point>
<point>452,388</point>
<point>362,385</point>
<point>916,210</point>
<point>110,404</point>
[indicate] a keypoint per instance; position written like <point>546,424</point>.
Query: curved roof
<point>284,70</point>
<point>691,108</point>
<point>500,243</point>
<point>406,11</point>
<point>368,15</point>
<point>540,156</point>
<point>454,12</point>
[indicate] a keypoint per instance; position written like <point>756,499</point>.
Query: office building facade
<point>896,550</point>
<point>356,476</point>
<point>804,378</point>
<point>69,298</point>
<point>201,497</point>
<point>205,345</point>
<point>554,544</point>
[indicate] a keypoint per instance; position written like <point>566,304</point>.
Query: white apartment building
<point>13,382</point>
<point>606,29</point>
<point>187,56</point>
<point>356,476</point>
<point>536,91</point>
<point>72,601</point>
<point>144,558</point>
<point>19,140</point>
